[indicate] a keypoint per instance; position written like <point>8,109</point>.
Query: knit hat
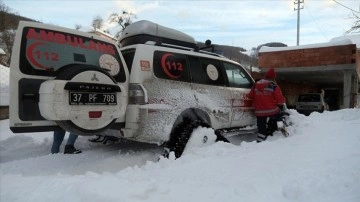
<point>270,74</point>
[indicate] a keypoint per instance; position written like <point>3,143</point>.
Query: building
<point>332,67</point>
<point>103,34</point>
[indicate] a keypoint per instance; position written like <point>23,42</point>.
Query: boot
<point>70,149</point>
<point>261,138</point>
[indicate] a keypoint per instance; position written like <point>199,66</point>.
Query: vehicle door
<point>209,85</point>
<point>64,78</point>
<point>240,82</point>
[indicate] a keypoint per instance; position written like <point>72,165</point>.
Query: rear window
<point>128,57</point>
<point>309,98</point>
<point>47,53</point>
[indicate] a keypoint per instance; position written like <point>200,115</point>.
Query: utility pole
<point>299,6</point>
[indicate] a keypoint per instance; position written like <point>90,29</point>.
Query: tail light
<point>95,114</point>
<point>137,94</point>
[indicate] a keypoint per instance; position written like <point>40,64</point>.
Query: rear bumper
<point>307,112</point>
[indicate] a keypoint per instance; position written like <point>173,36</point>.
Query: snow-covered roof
<point>255,69</point>
<point>105,34</point>
<point>338,41</point>
<point>355,39</point>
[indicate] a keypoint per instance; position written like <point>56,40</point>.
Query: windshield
<point>309,98</point>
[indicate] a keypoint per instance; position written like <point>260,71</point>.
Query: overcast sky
<point>243,23</point>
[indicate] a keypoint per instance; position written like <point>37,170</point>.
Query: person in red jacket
<point>267,98</point>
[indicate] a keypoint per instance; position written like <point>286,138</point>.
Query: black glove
<point>283,107</point>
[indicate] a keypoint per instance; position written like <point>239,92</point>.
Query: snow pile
<point>308,46</point>
<point>338,41</point>
<point>354,38</point>
<point>2,52</point>
<point>4,85</point>
<point>319,161</point>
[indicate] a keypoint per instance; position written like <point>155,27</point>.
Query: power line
<point>346,7</point>
<point>312,17</point>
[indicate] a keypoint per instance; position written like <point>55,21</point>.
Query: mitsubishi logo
<point>94,78</point>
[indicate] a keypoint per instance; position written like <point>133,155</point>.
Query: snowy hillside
<point>320,161</point>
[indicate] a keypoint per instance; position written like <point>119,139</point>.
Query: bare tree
<point>7,35</point>
<point>254,52</point>
<point>3,7</point>
<point>355,28</point>
<point>78,26</point>
<point>3,11</point>
<point>7,40</point>
<point>97,23</point>
<point>122,19</point>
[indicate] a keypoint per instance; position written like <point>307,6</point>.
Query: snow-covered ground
<point>319,162</point>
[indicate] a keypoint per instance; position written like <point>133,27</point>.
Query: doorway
<point>332,98</point>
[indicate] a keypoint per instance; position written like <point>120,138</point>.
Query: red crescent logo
<point>163,65</point>
<point>29,54</point>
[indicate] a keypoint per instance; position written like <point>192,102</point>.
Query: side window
<point>237,76</point>
<point>171,66</point>
<point>206,71</point>
<point>128,57</point>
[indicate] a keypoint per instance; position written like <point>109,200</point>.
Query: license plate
<point>89,98</point>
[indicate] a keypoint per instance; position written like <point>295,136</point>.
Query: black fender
<point>194,114</point>
<point>182,130</point>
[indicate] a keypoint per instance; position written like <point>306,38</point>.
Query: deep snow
<point>320,161</point>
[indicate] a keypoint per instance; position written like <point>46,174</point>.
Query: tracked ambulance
<point>156,87</point>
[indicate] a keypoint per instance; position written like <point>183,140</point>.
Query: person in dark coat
<point>267,98</point>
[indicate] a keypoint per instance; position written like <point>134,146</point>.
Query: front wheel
<point>183,132</point>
